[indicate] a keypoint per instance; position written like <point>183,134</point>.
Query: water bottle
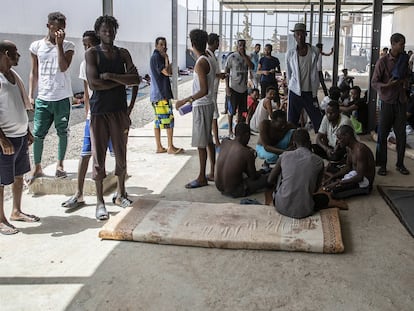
<point>184,109</point>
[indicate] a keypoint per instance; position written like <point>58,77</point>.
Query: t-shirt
<point>299,177</point>
<point>268,63</point>
<point>238,72</point>
<point>82,76</point>
<point>216,69</point>
<point>254,57</point>
<point>329,129</point>
<point>13,116</point>
<point>160,84</point>
<point>53,84</point>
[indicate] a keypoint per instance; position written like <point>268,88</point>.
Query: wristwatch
<point>191,100</point>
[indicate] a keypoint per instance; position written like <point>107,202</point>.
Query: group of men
<point>108,70</point>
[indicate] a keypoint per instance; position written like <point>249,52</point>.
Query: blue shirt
<point>160,84</point>
<point>268,63</point>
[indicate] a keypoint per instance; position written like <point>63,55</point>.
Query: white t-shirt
<point>13,115</point>
<point>82,76</point>
<point>238,72</point>
<point>329,129</point>
<point>260,114</point>
<point>53,85</point>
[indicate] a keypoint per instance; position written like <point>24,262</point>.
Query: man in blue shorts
<point>14,136</point>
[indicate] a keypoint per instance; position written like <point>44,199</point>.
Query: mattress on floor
<point>225,225</point>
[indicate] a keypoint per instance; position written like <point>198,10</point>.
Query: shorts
<point>87,145</point>
<point>238,102</point>
<point>15,164</point>
<point>248,187</point>
<point>202,120</point>
<point>164,116</point>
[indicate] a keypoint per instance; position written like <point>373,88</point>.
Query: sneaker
<point>382,171</point>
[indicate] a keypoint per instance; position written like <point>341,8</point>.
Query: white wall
<point>403,24</point>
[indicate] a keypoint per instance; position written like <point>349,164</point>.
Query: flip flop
<point>101,212</point>
<point>60,174</point>
<point>122,202</point>
<point>195,184</point>
<point>25,218</point>
<point>30,179</point>
<point>177,151</point>
<point>8,230</point>
<point>72,202</point>
<point>210,178</point>
<point>163,150</point>
<point>248,201</point>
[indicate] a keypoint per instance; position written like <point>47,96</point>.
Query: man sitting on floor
<point>236,174</point>
<point>358,175</point>
<point>275,136</point>
<point>297,176</point>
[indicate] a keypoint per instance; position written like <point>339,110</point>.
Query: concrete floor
<point>61,264</point>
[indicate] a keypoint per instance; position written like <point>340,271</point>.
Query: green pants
<point>47,112</point>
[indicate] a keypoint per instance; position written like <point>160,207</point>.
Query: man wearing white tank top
<point>203,107</point>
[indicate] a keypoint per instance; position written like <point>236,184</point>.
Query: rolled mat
<point>225,225</point>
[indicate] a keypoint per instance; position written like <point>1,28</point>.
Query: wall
<point>403,24</point>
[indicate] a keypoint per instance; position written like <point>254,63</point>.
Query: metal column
<point>231,30</point>
<point>375,48</point>
<point>220,32</point>
<point>311,25</point>
<point>205,15</point>
<point>107,7</point>
<point>320,21</point>
<point>336,42</point>
<point>174,54</point>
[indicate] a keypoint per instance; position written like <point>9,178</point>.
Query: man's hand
<point>30,138</point>
<point>60,36</point>
<point>105,76</point>
<point>6,146</point>
<point>32,103</point>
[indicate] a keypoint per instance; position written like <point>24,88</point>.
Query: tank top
<point>207,99</point>
<point>112,100</point>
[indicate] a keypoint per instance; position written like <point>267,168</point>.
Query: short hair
<point>242,129</point>
<point>397,37</point>
<point>6,45</point>
<point>213,37</point>
<point>319,45</point>
<point>268,45</point>
<point>356,88</point>
<point>159,39</point>
<point>255,90</point>
<point>269,88</point>
<point>346,130</point>
<point>56,16</point>
<point>258,44</point>
<point>241,40</point>
<point>108,20</point>
<point>334,105</point>
<point>278,114</point>
<point>198,38</point>
<point>92,35</point>
<point>334,93</point>
<point>301,137</point>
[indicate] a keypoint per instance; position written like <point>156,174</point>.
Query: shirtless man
<point>275,137</point>
<point>109,69</point>
<point>357,177</point>
<point>237,176</point>
<point>14,136</point>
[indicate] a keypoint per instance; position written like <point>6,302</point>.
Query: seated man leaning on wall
<point>296,178</point>
<point>357,177</point>
<point>236,174</point>
<point>275,136</point>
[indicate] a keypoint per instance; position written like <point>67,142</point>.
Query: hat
<point>299,27</point>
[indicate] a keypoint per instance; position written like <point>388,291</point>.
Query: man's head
<point>345,135</point>
<point>90,39</point>
<point>334,93</point>
<point>279,118</point>
<point>397,44</point>
<point>332,111</point>
<point>8,54</point>
<point>268,50</point>
<point>161,44</point>
<point>257,47</point>
<point>106,27</point>
<point>299,32</point>
<point>355,93</point>
<point>301,138</point>
<point>55,21</point>
<point>213,41</point>
<point>255,93</point>
<point>241,46</point>
<point>270,92</point>
<point>345,71</point>
<point>319,46</point>
<point>242,132</point>
<point>199,38</point>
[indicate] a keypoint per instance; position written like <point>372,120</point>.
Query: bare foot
<point>30,178</point>
<point>210,177</point>
<point>175,150</point>
<point>24,217</point>
<point>161,150</point>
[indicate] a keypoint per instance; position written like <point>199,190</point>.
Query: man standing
<point>393,95</point>
<point>302,74</point>
<point>267,68</point>
<point>237,67</point>
<point>236,175</point>
<point>14,136</point>
<point>161,95</point>
<point>254,57</point>
<point>109,69</point>
<point>203,107</point>
<point>51,58</point>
